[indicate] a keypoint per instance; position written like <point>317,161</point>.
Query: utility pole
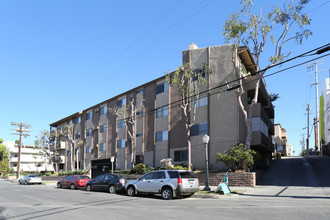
<point>307,139</point>
<point>310,68</point>
<point>21,129</point>
<point>316,136</point>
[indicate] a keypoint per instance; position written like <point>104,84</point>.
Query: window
<point>180,155</point>
<point>139,91</point>
<point>159,175</point>
<point>89,132</point>
<point>121,102</point>
<point>78,151</point>
<point>139,135</point>
<point>108,177</point>
<point>88,149</point>
<point>161,136</point>
<point>103,128</point>
<point>121,143</point>
<point>78,135</point>
<point>121,123</point>
<point>103,110</point>
<point>161,112</point>
<point>68,152</point>
<point>102,147</point>
<point>78,120</point>
<point>160,88</point>
<point>199,129</point>
<point>173,174</point>
<point>202,101</point>
<point>149,176</point>
<point>89,115</point>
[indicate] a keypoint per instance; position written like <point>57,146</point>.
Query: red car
<point>73,181</point>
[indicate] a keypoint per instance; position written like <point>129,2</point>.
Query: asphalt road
<point>296,200</point>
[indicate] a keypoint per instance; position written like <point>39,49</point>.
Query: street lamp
<point>206,140</point>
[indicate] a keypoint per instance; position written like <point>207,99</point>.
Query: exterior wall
<point>326,107</point>
<point>31,160</point>
<point>222,114</point>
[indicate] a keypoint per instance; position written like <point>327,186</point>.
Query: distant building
<point>325,114</point>
<point>281,142</point>
<point>160,128</point>
<point>31,159</point>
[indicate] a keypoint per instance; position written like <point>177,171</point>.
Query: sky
<point>60,57</point>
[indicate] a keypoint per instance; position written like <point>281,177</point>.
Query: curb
<point>205,196</point>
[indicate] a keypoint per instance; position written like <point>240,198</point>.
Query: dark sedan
<point>107,182</point>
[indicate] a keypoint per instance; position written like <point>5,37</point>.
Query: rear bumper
<point>120,187</point>
<point>180,190</point>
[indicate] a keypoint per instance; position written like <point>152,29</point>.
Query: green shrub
<point>237,157</point>
<point>303,153</point>
<point>138,169</point>
<point>70,172</point>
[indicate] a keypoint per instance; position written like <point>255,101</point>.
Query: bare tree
<point>188,82</point>
<point>43,141</point>
<point>127,113</point>
<point>68,132</point>
<point>254,30</point>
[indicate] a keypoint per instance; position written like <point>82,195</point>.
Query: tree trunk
<point>72,156</point>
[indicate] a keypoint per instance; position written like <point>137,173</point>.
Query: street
<point>291,201</point>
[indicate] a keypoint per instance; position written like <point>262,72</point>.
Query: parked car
<point>112,183</point>
<point>30,179</point>
<point>73,181</point>
<point>168,183</point>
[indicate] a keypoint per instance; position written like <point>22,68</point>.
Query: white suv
<point>168,183</point>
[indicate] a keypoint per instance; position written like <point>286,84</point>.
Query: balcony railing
<point>59,159</point>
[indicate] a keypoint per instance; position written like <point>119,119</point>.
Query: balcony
<point>59,159</point>
<point>13,160</point>
<point>60,145</point>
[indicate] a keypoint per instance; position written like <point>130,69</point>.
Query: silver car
<point>168,183</point>
<point>30,179</point>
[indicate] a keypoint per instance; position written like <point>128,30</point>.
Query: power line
<point>125,63</point>
<point>178,102</point>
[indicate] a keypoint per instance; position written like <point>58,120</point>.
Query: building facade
<point>31,160</point>
<point>159,128</point>
<point>282,145</point>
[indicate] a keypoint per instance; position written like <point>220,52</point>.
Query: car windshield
<point>82,177</point>
<point>33,176</point>
<point>187,175</point>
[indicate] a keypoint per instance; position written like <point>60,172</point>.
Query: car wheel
<point>72,187</point>
<point>167,193</point>
<point>112,189</point>
<point>130,190</point>
<point>59,185</point>
<point>89,188</point>
<point>19,182</point>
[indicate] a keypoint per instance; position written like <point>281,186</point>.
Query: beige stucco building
<point>160,126</point>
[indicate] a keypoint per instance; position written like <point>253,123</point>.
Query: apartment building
<point>281,142</point>
<point>159,130</point>
<point>31,160</point>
